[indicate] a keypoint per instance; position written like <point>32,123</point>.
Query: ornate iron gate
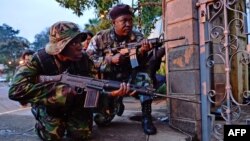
<point>222,29</point>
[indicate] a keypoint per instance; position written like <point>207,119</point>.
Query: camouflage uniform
<point>55,112</point>
<point>123,72</point>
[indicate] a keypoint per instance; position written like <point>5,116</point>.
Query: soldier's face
<point>73,50</point>
<point>27,58</point>
<point>123,25</point>
<point>86,42</point>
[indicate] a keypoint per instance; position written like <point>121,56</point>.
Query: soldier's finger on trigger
<point>132,93</point>
<point>128,87</point>
<point>125,88</point>
<point>121,87</point>
<point>150,46</point>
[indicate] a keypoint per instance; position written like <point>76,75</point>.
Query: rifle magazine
<point>91,99</point>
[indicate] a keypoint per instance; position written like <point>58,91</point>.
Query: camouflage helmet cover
<point>61,33</point>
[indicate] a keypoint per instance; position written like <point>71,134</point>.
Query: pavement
<point>17,124</point>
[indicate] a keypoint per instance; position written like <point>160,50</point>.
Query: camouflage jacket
<point>107,39</point>
<point>26,88</point>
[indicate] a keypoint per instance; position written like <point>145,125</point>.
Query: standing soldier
<point>56,106</point>
<point>119,66</point>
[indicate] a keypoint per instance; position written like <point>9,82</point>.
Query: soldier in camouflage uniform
<point>26,57</point>
<point>56,106</point>
<point>116,65</point>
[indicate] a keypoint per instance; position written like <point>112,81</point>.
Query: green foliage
<point>11,46</point>
<point>7,32</point>
<point>96,25</point>
<point>78,6</point>
<point>149,14</point>
<point>148,17</point>
<point>101,10</point>
<point>41,39</point>
<point>162,70</point>
<point>102,6</point>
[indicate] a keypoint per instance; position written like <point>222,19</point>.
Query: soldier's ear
<point>113,22</point>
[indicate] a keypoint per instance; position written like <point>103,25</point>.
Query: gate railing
<point>228,46</point>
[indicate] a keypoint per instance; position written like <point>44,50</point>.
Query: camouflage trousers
<point>110,106</point>
<point>56,121</point>
<point>142,79</point>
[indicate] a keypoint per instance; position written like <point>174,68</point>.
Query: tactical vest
<point>48,64</point>
<point>107,39</point>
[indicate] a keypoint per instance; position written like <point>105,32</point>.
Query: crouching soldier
<point>119,65</point>
<point>56,106</point>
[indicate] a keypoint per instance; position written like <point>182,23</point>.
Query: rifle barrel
<point>174,39</point>
<point>144,91</point>
<point>177,98</point>
<point>138,44</point>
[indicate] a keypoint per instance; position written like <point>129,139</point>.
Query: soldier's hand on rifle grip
<point>122,91</point>
<point>67,90</point>
<point>145,46</point>
<point>116,58</point>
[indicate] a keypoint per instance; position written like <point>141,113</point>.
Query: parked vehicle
<point>2,79</point>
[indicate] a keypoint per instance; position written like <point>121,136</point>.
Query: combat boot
<point>147,123</point>
<point>119,106</point>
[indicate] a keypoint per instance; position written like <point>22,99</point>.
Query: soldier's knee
<point>46,135</point>
<point>47,127</point>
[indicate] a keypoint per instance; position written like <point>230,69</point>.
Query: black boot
<point>119,106</point>
<point>147,123</point>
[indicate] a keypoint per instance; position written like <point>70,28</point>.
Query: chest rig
<point>50,66</point>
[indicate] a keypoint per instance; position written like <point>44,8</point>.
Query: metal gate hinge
<point>203,16</point>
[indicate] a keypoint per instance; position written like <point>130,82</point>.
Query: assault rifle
<point>130,48</point>
<point>93,86</point>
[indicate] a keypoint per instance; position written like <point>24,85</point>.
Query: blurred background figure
<point>26,56</point>
<point>86,42</point>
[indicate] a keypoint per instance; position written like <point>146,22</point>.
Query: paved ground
<point>17,123</point>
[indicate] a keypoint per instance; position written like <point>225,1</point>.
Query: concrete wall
<point>183,64</point>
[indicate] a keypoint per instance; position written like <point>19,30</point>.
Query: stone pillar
<point>183,70</point>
